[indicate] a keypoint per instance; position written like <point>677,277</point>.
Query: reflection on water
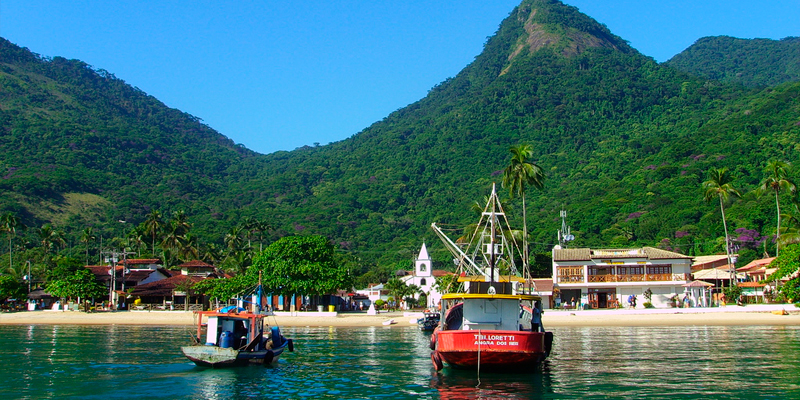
<point>394,362</point>
<point>464,384</point>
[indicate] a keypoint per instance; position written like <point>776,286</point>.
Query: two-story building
<point>605,278</point>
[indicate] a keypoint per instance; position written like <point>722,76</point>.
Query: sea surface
<point>128,362</point>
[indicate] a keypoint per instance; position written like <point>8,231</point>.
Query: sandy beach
<point>730,315</point>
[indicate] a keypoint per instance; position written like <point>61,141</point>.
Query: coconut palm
<point>777,180</point>
<point>791,233</point>
<point>153,225</point>
<point>719,185</point>
<point>9,224</point>
<point>87,237</point>
<point>46,234</point>
<point>174,238</point>
<point>180,222</point>
<point>518,175</point>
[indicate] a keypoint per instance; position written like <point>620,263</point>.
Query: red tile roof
<point>195,263</point>
<point>164,287</point>
<point>756,264</point>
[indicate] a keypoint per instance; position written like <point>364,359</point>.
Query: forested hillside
<point>748,62</point>
<point>625,144</point>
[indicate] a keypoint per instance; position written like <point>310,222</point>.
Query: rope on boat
<point>479,359</point>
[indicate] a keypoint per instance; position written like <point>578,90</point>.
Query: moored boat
<point>494,323</point>
<point>235,336</point>
<point>428,322</point>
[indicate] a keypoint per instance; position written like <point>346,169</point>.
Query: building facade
<point>606,278</point>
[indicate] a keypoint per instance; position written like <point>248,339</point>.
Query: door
<point>594,300</point>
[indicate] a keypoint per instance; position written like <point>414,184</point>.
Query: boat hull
<point>492,349</point>
<point>216,357</point>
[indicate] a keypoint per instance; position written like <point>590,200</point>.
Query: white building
<point>604,278</point>
<point>425,277</point>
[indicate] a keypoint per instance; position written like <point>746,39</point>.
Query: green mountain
<point>748,62</point>
<point>625,143</point>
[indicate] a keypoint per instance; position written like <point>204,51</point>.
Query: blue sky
<point>277,75</point>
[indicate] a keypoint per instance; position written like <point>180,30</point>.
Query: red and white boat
<point>492,322</point>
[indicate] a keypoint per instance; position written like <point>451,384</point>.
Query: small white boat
<point>389,322</point>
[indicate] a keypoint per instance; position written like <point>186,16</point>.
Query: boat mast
<point>492,249</point>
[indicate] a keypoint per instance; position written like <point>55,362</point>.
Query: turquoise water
<point>98,362</point>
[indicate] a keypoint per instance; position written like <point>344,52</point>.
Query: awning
<point>698,284</point>
<point>716,274</point>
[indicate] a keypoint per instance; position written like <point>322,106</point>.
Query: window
<point>659,269</point>
<point>423,267</point>
<point>422,282</point>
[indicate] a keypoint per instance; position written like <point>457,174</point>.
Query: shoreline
<point>718,316</point>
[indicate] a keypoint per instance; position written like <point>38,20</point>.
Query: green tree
<point>776,181</point>
<point>449,284</point>
<point>787,264</point>
<point>518,175</point>
<point>11,287</point>
<point>300,265</point>
<point>719,185</point>
<point>9,224</point>
<point>80,284</point>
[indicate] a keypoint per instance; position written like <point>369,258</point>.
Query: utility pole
<point>113,271</point>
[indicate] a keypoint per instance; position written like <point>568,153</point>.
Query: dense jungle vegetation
<point>625,144</point>
<point>754,63</point>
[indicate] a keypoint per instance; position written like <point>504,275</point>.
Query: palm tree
<point>776,181</point>
<point>45,234</point>
<point>88,236</point>
<point>397,289</point>
<point>719,185</point>
<point>261,227</point>
<point>174,239</point>
<point>181,222</point>
<point>518,175</point>
<point>9,224</point>
<point>136,238</point>
<point>791,233</point>
<point>153,225</point>
<point>189,249</point>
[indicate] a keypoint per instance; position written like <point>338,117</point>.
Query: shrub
<point>648,304</point>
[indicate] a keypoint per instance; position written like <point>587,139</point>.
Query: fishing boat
<point>234,336</point>
<point>429,321</point>
<point>493,322</point>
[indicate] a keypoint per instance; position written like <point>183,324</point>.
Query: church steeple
<point>423,262</point>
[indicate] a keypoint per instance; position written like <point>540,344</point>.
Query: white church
<point>424,276</point>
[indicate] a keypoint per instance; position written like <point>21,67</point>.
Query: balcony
<point>623,278</point>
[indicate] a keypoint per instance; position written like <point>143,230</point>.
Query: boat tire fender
<point>290,344</point>
<point>433,341</point>
<point>548,343</point>
<point>437,361</point>
<point>269,357</point>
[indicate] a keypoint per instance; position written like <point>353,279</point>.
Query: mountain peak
<point>551,23</point>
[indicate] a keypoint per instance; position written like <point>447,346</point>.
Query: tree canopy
<point>80,284</point>
<point>300,265</point>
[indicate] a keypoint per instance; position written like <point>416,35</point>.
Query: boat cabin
<point>231,330</point>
